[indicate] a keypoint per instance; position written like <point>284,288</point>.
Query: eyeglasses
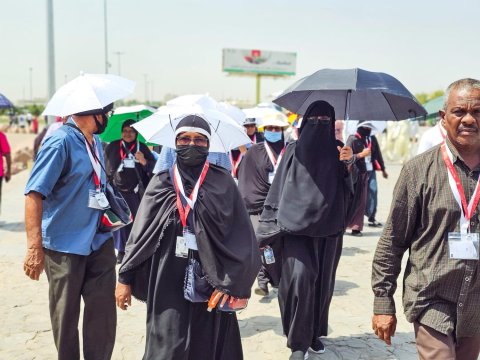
<point>110,113</point>
<point>186,140</point>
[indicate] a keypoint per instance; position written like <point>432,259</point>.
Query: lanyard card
<point>190,239</point>
<point>463,246</point>
<point>97,200</point>
<point>128,163</point>
<point>181,249</point>
<point>268,255</point>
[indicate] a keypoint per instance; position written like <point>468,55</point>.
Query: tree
<point>426,97</point>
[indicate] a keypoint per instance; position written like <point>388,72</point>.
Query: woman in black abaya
<point>255,176</point>
<point>224,244</point>
<point>305,210</point>
<point>129,166</point>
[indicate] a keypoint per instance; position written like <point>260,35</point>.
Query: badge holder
<point>464,246</point>
<point>97,200</point>
<point>190,239</point>
<point>271,175</point>
<point>129,163</point>
<point>181,249</point>
<point>268,256</point>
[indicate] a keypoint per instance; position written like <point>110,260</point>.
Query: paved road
<point>25,331</point>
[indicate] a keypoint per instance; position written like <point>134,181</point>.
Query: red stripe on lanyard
<point>95,164</point>
<point>469,209</point>
<point>441,132</point>
<point>123,154</point>
<point>272,158</point>
<point>367,140</point>
<point>235,164</point>
<point>180,191</point>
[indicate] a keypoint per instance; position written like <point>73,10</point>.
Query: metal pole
<point>50,50</point>
<point>31,88</point>
<point>146,87</point>
<point>106,36</point>
<point>258,76</point>
<point>119,53</point>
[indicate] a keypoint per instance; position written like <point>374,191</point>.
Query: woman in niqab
<point>305,210</point>
<point>216,233</point>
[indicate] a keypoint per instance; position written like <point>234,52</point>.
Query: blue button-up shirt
<point>168,156</point>
<point>63,175</point>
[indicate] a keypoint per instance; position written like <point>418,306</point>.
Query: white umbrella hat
<point>159,128</point>
<point>88,92</point>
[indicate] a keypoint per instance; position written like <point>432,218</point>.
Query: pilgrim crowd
<point>208,225</point>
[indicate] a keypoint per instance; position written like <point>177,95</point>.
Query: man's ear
<point>442,114</point>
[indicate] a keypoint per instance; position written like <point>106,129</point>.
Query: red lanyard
<point>275,162</point>
<point>458,192</point>
<point>95,164</point>
<point>177,182</point>
<point>367,140</point>
<point>441,132</point>
<point>235,164</point>
<point>123,154</point>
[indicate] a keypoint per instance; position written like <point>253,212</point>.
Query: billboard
<point>248,61</point>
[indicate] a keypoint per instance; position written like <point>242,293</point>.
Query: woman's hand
<point>140,158</point>
<point>233,303</point>
<point>123,296</point>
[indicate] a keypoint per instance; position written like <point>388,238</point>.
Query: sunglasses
<point>186,140</point>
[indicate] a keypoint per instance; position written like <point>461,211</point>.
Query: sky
<point>175,47</point>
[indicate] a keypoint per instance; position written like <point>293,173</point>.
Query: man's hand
<point>385,174</point>
<point>140,158</point>
<point>123,296</point>
<point>34,263</point>
<point>384,327</point>
<point>346,153</point>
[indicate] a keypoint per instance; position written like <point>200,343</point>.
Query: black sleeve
<point>377,153</point>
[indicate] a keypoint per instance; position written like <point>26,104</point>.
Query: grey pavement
<point>25,331</point>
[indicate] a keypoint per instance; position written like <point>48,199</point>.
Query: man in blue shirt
<point>61,218</point>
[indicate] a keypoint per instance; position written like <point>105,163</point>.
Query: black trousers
<point>306,287</point>
<point>70,278</point>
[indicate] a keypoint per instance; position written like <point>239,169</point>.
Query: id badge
<point>128,163</point>
<point>463,246</point>
<point>271,175</point>
<point>190,239</point>
<point>97,200</point>
<point>368,163</point>
<point>181,249</point>
<point>268,255</point>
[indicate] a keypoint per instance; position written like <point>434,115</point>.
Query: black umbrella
<point>4,102</point>
<point>355,94</point>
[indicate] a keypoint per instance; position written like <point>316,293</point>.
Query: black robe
<point>305,211</point>
<point>176,328</point>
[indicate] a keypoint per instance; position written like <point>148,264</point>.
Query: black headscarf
<point>307,196</point>
<point>191,173</point>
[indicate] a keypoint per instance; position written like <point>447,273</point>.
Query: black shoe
<point>262,290</point>
<point>120,256</point>
<point>298,355</point>
<point>356,233</point>
<point>317,346</point>
<point>374,223</point>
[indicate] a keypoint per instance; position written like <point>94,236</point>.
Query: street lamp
<point>106,36</point>
<point>31,91</point>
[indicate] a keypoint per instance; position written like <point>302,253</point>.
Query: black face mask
<point>101,126</point>
<point>191,155</point>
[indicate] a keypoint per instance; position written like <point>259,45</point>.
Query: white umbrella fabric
<point>377,126</point>
<point>159,128</point>
<point>266,114</point>
<point>88,92</point>
<point>133,109</point>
